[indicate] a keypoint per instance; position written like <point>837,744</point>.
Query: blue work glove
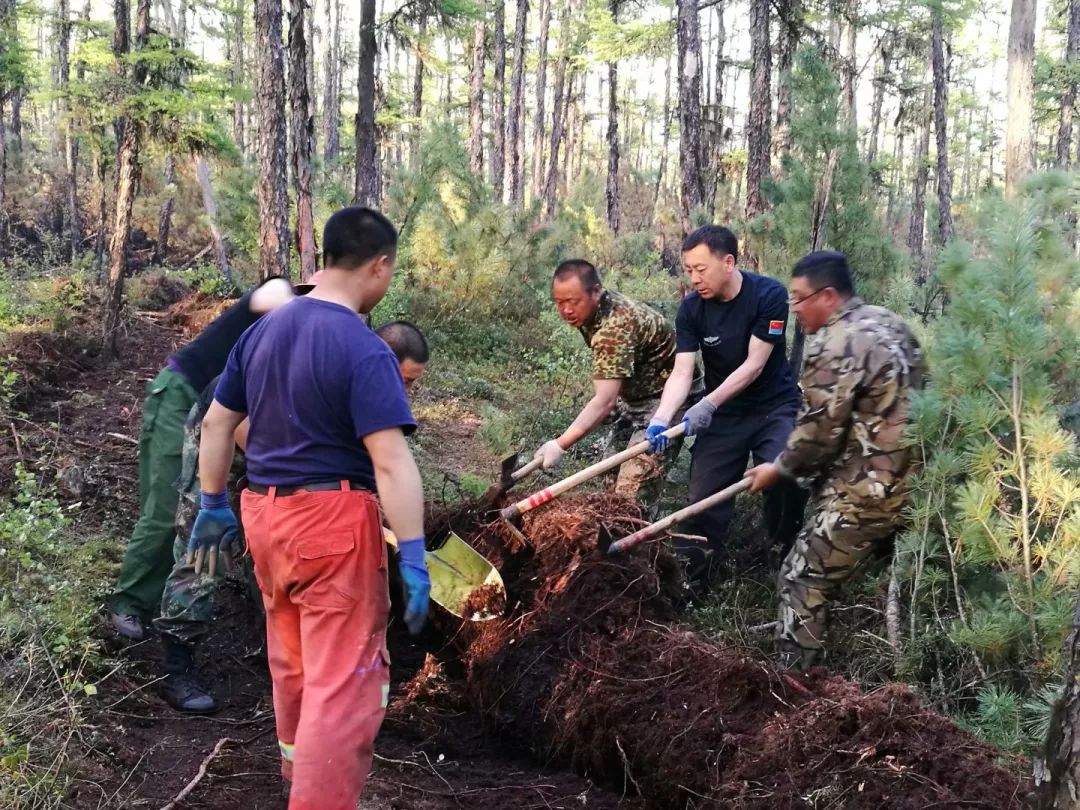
<point>215,529</point>
<point>414,575</point>
<point>658,442</point>
<point>699,417</point>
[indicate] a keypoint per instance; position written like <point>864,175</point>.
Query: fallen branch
<point>196,257</point>
<point>190,786</point>
<point>122,437</point>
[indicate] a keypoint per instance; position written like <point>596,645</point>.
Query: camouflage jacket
<point>188,483</point>
<point>631,342</point>
<point>860,370</point>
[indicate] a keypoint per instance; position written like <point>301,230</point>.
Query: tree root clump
<point>590,667</point>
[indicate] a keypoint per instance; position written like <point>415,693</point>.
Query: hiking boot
<point>184,692</point>
<point>127,625</point>
<point>182,688</point>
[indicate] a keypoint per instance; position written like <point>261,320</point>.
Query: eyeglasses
<point>794,302</point>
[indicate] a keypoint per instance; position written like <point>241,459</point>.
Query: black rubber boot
<point>182,688</point>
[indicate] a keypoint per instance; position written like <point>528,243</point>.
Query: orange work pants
<point>320,562</point>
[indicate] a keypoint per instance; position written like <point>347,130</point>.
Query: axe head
<point>604,539</point>
<point>507,467</point>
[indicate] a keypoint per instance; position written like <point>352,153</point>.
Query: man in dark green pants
<point>149,559</point>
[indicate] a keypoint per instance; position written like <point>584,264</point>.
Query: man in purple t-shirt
<point>328,418</point>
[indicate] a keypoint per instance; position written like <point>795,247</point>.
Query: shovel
<point>456,570</point>
<point>508,476</point>
<point>654,529</point>
<point>515,511</point>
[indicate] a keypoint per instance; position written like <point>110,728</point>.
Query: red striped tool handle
<point>518,509</point>
<point>653,529</point>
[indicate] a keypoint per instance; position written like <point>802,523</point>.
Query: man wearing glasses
<point>862,365</point>
<point>737,321</point>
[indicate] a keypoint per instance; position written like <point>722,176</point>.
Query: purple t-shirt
<point>313,380</point>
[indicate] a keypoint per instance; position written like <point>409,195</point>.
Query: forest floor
<point>78,427</point>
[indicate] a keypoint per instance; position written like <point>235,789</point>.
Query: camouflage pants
<point>832,544</point>
<point>188,600</point>
<point>641,477</point>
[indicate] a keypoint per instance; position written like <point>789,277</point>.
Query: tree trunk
<point>665,140</point>
<point>127,179</point>
<point>941,103</point>
<point>100,172</point>
<point>758,125</point>
<point>851,66</point>
<point>613,134</point>
<point>689,67</point>
<point>918,193</point>
<point>1059,779</point>
<point>476,102</point>
<point>72,215</point>
<point>273,193</point>
<point>558,122</point>
<point>539,121</point>
<point>5,231</point>
<point>879,100</point>
<point>161,249</point>
<point>498,123</point>
<point>968,157</point>
<point>11,23</point>
<point>309,67</point>
<point>238,68</point>
<point>303,140</point>
<point>367,167</point>
<point>514,135</point>
<point>332,84</point>
<point>417,96</point>
<point>790,13</point>
<point>181,21</point>
<point>1068,98</point>
<point>1019,149</point>
<point>202,171</point>
<point>570,133</point>
<point>896,177</point>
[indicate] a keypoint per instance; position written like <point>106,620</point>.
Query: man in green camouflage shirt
<point>633,349</point>
<point>862,365</point>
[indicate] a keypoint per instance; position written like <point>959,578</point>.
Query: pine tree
<point>995,529</point>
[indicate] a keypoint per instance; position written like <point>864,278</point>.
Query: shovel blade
<point>458,571</point>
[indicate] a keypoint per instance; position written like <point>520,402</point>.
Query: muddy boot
<point>182,688</point>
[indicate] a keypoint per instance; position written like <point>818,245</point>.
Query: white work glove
<point>550,454</point>
<point>699,417</point>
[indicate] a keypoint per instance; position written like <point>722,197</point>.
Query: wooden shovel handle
<point>518,509</point>
<point>528,469</point>
<point>690,511</point>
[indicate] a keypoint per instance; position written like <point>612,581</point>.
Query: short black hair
<point>826,268</point>
<point>720,240</point>
<point>584,271</point>
<point>355,235</point>
<point>405,340</point>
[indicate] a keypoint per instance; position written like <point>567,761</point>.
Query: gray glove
<point>699,417</point>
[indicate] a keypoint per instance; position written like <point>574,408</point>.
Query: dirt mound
<point>588,668</point>
<point>194,313</point>
<point>42,362</point>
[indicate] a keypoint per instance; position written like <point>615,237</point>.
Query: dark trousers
<point>719,459</point>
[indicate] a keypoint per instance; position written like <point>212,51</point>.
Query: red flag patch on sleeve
<point>776,327</point>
